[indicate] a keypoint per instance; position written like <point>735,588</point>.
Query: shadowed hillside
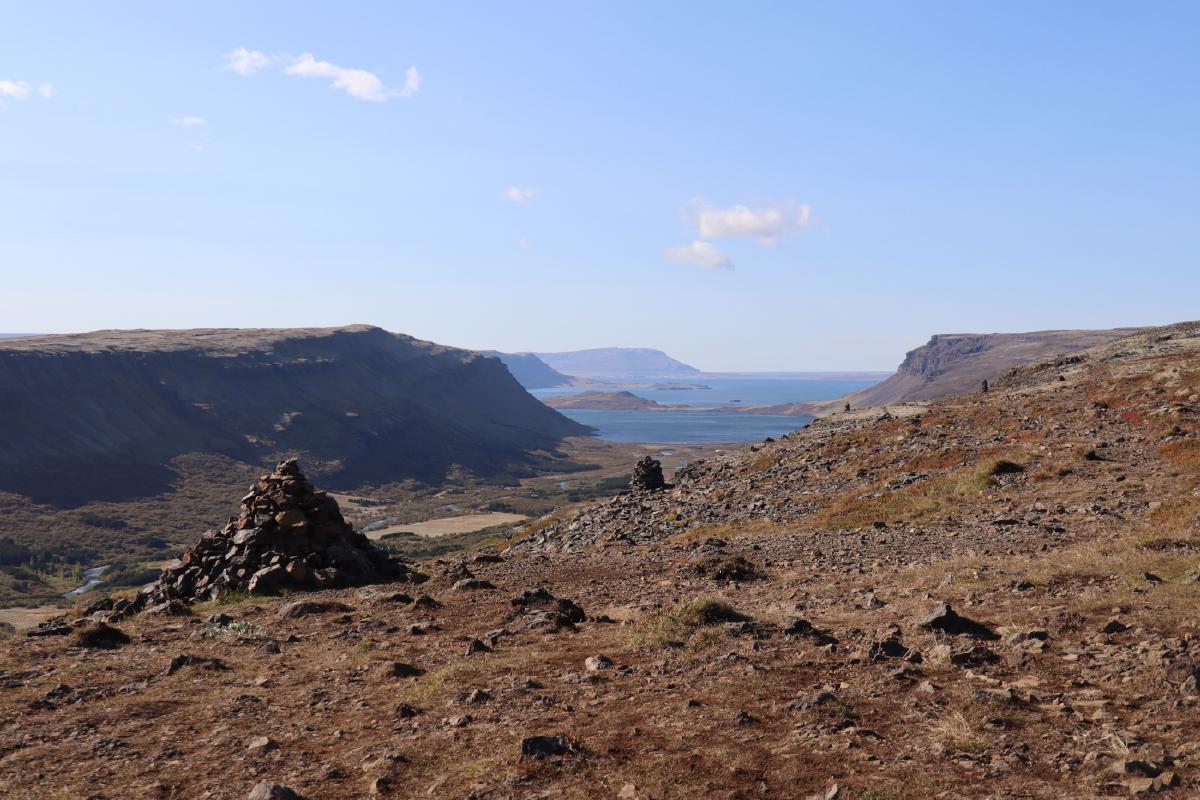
<point>529,370</point>
<point>98,415</point>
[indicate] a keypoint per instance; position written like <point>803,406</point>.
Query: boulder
<point>272,791</point>
<point>545,747</point>
<point>945,619</point>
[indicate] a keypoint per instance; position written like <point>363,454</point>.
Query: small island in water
<point>611,401</point>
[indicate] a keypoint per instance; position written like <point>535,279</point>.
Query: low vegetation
<point>675,626</point>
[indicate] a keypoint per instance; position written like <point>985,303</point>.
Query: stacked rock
<point>648,475</point>
<point>288,536</point>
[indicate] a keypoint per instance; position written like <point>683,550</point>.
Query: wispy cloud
<point>521,197</point>
<point>412,82</point>
<point>246,62</point>
<point>23,90</point>
<point>764,224</point>
<point>702,254</point>
<point>357,83</point>
<point>188,122</point>
<point>523,243</point>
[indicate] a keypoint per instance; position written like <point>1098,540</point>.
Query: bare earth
<point>22,618</point>
<point>450,525</point>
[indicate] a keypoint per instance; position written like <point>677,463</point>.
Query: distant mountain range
<point>616,361</point>
<point>99,415</point>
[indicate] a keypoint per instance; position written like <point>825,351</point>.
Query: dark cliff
<point>529,370</point>
<point>952,363</point>
<point>98,415</point>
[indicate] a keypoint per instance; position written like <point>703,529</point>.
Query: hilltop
<point>991,596</point>
<point>99,415</point>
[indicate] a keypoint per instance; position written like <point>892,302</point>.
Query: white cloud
<point>702,254</point>
<point>764,225</point>
<point>523,243</point>
<point>246,62</point>
<point>21,90</point>
<point>188,122</point>
<point>521,197</point>
<point>199,148</point>
<point>357,83</point>
<point>412,82</point>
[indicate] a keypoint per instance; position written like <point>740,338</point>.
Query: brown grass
<point>926,501</point>
<point>675,626</point>
<point>1184,453</point>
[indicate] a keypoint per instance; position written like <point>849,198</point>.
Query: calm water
<point>707,427</point>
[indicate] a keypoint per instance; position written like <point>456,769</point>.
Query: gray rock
<point>272,791</point>
<point>945,619</point>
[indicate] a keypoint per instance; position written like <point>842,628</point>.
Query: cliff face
<point>96,416</point>
<point>529,370</point>
<point>954,363</point>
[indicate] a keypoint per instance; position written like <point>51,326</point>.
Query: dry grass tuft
<point>674,627</point>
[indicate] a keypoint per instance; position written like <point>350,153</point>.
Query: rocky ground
<point>993,596</point>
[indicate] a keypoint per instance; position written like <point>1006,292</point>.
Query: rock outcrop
<point>288,536</point>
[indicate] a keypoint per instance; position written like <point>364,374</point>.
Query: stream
<point>91,578</point>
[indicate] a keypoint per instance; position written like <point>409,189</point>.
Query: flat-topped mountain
<point>529,370</point>
<point>98,415</point>
<point>953,363</point>
<point>615,361</point>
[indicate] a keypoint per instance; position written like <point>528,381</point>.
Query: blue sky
<point>764,186</point>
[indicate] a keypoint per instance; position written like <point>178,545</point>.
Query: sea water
<point>706,427</point>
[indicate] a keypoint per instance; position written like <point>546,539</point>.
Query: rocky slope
<point>991,597</point>
<point>96,415</point>
<point>529,370</point>
<point>616,361</point>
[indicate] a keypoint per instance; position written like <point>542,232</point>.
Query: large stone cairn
<point>288,536</point>
<point>648,476</point>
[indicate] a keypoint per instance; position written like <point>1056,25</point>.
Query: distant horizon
<point>871,372</point>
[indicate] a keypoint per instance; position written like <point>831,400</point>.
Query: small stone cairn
<point>288,536</point>
<point>648,476</point>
